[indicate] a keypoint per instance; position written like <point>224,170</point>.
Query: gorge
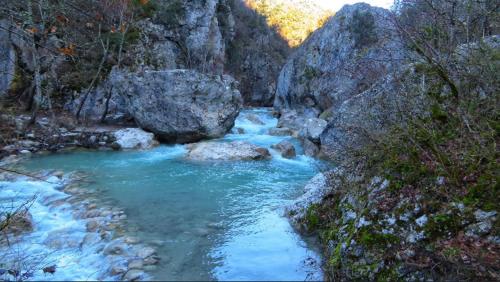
<point>249,140</point>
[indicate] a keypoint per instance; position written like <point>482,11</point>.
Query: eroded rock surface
<point>237,150</point>
<point>134,138</point>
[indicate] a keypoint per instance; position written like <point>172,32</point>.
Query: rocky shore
<point>94,229</point>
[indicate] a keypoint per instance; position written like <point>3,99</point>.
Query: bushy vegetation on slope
<point>421,202</point>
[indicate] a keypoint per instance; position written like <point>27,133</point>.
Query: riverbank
<point>46,135</point>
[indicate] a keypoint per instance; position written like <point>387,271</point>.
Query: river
<point>207,220</point>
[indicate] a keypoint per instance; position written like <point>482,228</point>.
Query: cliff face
<point>340,74</point>
<point>211,37</point>
<point>7,59</point>
<point>226,36</point>
<point>215,37</point>
<point>346,56</point>
<point>255,56</point>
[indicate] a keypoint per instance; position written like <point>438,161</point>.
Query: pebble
<point>116,247</point>
<point>133,275</point>
<point>145,252</point>
<point>135,264</point>
<point>151,260</point>
<point>91,239</point>
<point>131,240</point>
<point>118,269</point>
<point>92,225</point>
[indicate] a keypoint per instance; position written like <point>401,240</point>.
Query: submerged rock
<point>63,238</point>
<point>136,264</point>
<point>117,269</point>
<point>280,131</point>
<point>135,138</point>
<point>254,119</point>
<point>286,149</point>
<point>237,150</point>
<point>238,130</point>
<point>116,247</point>
<point>134,275</point>
<point>180,105</point>
<point>145,252</point>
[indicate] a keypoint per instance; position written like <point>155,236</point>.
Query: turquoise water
<point>208,220</point>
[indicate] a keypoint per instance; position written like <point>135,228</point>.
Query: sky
<point>335,5</point>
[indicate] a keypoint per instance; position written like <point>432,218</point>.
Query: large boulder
<point>180,105</point>
<point>223,151</point>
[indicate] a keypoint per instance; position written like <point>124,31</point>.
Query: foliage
<point>295,22</point>
<point>76,31</point>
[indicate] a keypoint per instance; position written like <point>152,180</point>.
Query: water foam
<point>72,261</point>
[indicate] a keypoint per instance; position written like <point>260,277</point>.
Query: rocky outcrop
<point>370,114</point>
<point>314,192</point>
<point>337,77</point>
<point>180,105</point>
<point>357,40</point>
<point>134,138</point>
<point>198,31</point>
<point>215,151</point>
<point>154,49</point>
